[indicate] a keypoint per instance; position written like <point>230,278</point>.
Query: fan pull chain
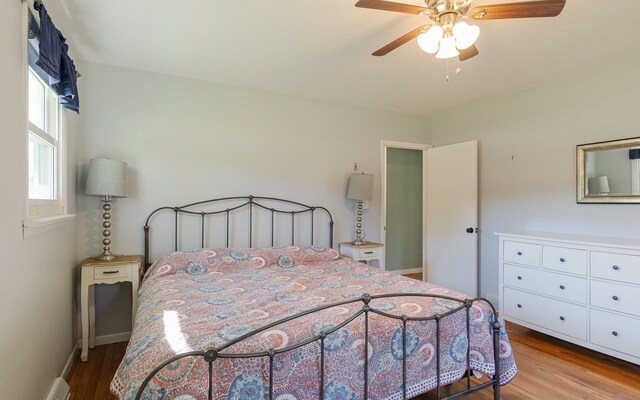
<point>447,76</point>
<point>458,69</point>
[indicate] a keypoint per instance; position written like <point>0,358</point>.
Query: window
<point>45,150</point>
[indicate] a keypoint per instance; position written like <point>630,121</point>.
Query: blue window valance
<point>49,58</point>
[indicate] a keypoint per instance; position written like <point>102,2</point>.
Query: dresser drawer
<point>563,259</point>
<point>548,283</point>
<point>111,272</point>
<point>615,297</point>
<point>617,267</point>
<point>521,253</point>
<point>568,319</point>
<point>615,332</point>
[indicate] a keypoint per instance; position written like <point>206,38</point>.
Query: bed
<point>295,322</point>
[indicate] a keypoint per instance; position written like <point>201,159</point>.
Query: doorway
<point>403,208</point>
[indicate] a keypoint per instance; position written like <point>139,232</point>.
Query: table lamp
<point>599,185</point>
<point>107,179</point>
<point>360,189</point>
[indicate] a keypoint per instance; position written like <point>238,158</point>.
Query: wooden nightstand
<point>371,253</point>
<point>122,269</point>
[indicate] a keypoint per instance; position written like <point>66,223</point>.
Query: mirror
<point>609,172</point>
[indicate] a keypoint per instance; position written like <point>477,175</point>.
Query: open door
<point>452,217</point>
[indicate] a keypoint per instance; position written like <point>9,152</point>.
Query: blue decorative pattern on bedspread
<point>202,299</point>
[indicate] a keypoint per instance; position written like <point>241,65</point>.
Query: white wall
<point>187,140</point>
<point>36,289</point>
<point>527,156</point>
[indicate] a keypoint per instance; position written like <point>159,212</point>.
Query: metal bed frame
<point>210,355</point>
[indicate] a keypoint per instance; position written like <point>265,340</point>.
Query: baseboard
<point>406,271</point>
<point>114,338</point>
<point>69,364</point>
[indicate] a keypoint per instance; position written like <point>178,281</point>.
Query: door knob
<point>469,230</point>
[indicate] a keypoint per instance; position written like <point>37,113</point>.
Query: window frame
<point>42,215</point>
<point>37,208</point>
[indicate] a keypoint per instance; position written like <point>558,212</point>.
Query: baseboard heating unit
<point>59,390</point>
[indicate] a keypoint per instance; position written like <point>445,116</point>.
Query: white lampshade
<point>360,187</point>
<point>448,48</point>
<point>106,178</point>
<point>430,40</point>
<point>465,34</point>
<point>598,185</point>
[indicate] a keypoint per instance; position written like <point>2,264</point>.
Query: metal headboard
<point>207,208</point>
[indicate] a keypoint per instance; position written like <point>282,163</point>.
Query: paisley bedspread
<point>194,300</point>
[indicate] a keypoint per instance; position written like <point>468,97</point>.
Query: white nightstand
<point>371,253</point>
<point>122,269</point>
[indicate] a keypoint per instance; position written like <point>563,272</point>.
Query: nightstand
<point>122,269</point>
<point>371,253</point>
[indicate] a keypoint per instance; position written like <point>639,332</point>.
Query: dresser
<point>585,290</point>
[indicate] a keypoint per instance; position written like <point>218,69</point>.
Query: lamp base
<point>106,256</point>
<point>106,233</point>
<point>360,235</point>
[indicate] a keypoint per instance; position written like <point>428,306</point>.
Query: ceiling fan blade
<point>390,6</point>
<point>400,41</point>
<point>527,9</point>
<point>467,53</point>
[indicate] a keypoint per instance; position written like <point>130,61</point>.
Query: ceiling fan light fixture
<point>448,48</point>
<point>465,34</point>
<point>429,40</point>
<point>454,37</point>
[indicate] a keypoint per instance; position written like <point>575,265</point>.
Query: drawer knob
<point>615,268</point>
<point>562,287</point>
<point>614,333</point>
<point>368,252</point>
<point>519,278</point>
<point>519,305</point>
<point>561,318</point>
<point>519,253</point>
<point>616,298</point>
<point>562,259</point>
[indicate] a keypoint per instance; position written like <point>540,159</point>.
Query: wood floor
<point>548,369</point>
<point>90,380</point>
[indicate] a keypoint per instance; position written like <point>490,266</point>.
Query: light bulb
<point>459,29</point>
<point>448,48</point>
<point>429,40</point>
<point>465,34</point>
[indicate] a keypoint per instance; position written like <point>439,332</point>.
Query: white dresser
<point>585,290</point>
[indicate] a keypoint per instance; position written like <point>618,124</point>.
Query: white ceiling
<point>321,48</point>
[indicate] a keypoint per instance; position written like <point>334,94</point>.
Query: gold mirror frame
<point>581,155</point>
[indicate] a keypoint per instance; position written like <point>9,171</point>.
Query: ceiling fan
<point>447,35</point>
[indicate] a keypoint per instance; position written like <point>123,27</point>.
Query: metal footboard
<point>210,355</point>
